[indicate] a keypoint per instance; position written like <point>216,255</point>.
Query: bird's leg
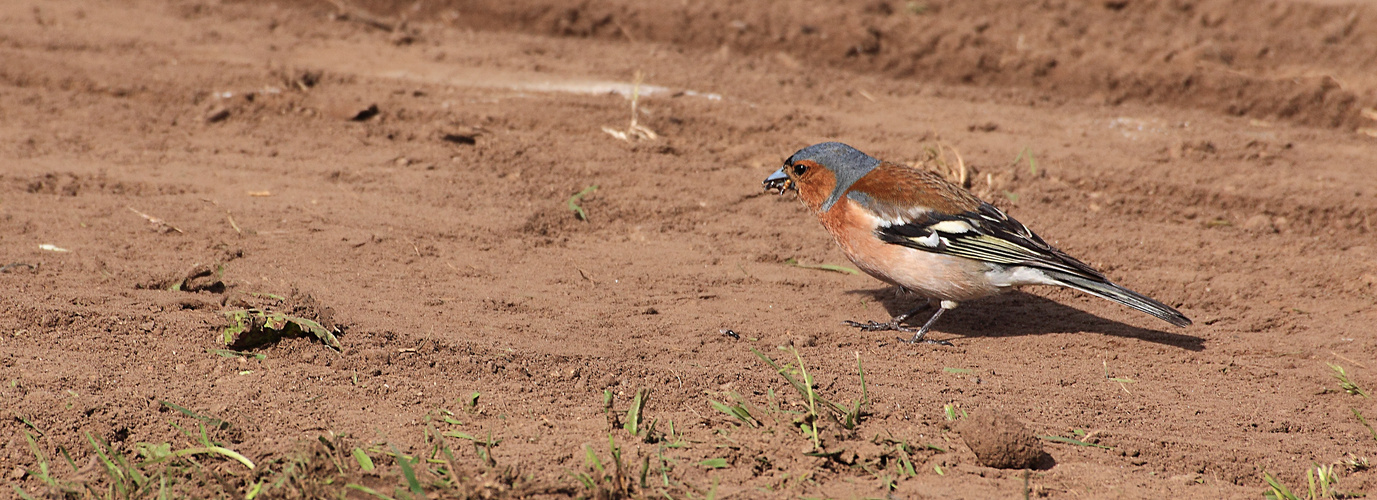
<point>900,319</point>
<point>918,336</point>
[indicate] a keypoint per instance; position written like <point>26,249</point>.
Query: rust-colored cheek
<point>815,187</point>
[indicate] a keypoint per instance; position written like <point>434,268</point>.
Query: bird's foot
<point>918,333</point>
<point>875,326</point>
<point>918,339</point>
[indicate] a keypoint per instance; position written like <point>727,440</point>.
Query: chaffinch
<point>911,228</point>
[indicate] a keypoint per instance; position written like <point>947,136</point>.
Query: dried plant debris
<point>264,318</point>
<point>249,328</point>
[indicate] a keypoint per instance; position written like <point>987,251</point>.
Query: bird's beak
<point>778,180</point>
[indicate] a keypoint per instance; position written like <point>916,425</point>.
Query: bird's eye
<point>799,169</point>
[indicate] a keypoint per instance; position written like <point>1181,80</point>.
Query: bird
<point>912,228</point>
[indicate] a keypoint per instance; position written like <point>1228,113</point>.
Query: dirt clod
<point>999,440</point>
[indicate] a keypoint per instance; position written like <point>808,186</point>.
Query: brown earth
<point>401,170</point>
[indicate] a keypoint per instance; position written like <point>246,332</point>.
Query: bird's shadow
<point>1018,313</point>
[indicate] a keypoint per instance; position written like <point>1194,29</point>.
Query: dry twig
<point>634,131</point>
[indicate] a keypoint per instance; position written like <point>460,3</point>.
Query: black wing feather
<point>988,235</point>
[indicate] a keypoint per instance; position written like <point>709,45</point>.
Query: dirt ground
<point>403,172</point>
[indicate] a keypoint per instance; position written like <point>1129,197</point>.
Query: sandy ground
<point>401,173</point>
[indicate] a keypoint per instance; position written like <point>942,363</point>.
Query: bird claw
<point>874,326</point>
<point>924,341</point>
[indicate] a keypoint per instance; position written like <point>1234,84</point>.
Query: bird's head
<point>821,173</point>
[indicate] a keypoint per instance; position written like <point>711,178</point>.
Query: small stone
<point>218,114</point>
<point>351,110</point>
<point>1259,223</point>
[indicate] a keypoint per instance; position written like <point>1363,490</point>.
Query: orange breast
<point>931,275</point>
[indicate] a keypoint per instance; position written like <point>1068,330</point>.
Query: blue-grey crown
<point>846,163</point>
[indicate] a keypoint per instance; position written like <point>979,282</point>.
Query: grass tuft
<point>1345,383</point>
<point>573,202</point>
<point>325,468</point>
<point>1321,479</point>
<point>847,416</point>
<point>950,411</point>
<point>738,410</point>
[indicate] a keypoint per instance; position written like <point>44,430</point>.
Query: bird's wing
<point>985,234</point>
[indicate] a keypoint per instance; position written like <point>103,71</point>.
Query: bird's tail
<point>1116,293</point>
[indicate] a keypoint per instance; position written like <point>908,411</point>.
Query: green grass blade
<point>821,267</point>
<point>214,422</point>
<point>1278,490</point>
<point>853,415</point>
<point>68,457</point>
<point>114,471</point>
<point>405,463</point>
<point>633,414</point>
<point>865,392</point>
<point>22,494</point>
<point>714,463</point>
<point>30,424</point>
<point>365,462</point>
<point>365,489</point>
<point>39,458</point>
<point>586,480</point>
<point>949,411</point>
<point>805,393</point>
<point>645,471</point>
<point>907,466</point>
<point>573,202</point>
<point>1076,442</point>
<point>254,490</point>
<point>736,411</point>
<point>217,450</point>
<point>592,459</point>
<point>1363,421</point>
<point>476,440</point>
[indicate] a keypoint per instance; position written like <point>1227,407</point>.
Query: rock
<point>351,110</point>
<point>218,114</point>
<point>1259,223</point>
<point>999,440</point>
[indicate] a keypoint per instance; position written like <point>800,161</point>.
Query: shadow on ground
<point>1018,313</point>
